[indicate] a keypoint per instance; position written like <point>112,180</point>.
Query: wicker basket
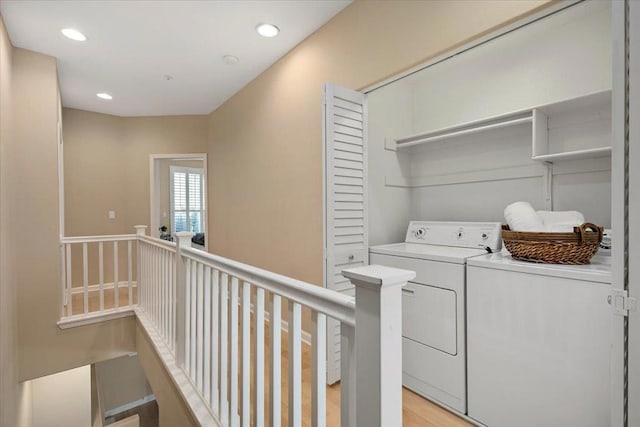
<point>554,248</point>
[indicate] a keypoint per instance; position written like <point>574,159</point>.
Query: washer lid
<point>598,271</point>
<point>428,252</point>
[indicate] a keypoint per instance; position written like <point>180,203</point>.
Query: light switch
<point>112,214</point>
<point>164,214</point>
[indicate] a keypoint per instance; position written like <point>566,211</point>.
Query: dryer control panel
<point>458,234</point>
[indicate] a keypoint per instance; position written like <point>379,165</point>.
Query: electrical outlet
<point>112,214</point>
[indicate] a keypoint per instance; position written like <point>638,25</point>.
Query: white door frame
<point>154,188</point>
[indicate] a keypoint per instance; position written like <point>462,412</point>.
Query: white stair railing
<point>97,276</point>
<point>212,315</point>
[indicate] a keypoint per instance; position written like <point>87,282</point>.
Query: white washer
<point>433,304</point>
<point>538,342</point>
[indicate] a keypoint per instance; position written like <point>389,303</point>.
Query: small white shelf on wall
<point>470,128</point>
<point>556,129</point>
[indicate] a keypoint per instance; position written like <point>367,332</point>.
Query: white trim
<point>97,239</point>
<point>95,288</point>
<point>547,11</point>
<point>96,317</point>
<point>154,206</point>
<point>131,405</point>
<point>618,202</point>
<point>60,179</point>
<point>633,372</point>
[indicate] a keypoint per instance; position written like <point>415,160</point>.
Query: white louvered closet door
<point>346,239</point>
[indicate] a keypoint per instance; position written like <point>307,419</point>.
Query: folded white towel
<point>561,218</point>
<point>560,228</point>
<point>522,217</point>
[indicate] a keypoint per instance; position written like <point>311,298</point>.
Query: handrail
<point>338,306</point>
<point>96,239</point>
<point>164,244</point>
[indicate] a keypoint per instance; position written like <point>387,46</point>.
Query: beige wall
<point>172,409</point>
<point>106,162</point>
<point>265,167</point>
<point>8,316</point>
<point>33,214</point>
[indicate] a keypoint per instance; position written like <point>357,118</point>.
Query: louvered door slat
<point>346,231</point>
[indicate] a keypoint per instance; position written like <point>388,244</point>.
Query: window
<point>187,199</point>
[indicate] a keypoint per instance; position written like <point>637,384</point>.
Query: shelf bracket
<point>547,186</point>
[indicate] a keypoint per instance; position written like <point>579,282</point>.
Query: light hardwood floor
<point>416,411</point>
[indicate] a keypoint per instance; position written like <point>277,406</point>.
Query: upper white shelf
<point>547,123</point>
<point>469,128</point>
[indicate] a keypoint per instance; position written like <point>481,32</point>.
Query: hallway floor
<point>417,411</point>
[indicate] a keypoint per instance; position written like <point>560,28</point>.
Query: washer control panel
<point>458,234</point>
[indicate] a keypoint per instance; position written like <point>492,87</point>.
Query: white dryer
<point>433,304</point>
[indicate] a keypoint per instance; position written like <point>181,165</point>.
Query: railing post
<point>183,239</point>
<point>141,230</point>
<point>378,344</point>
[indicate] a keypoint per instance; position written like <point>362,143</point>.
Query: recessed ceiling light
<point>73,34</point>
<point>167,77</point>
<point>103,95</point>
<point>230,59</point>
<point>267,30</point>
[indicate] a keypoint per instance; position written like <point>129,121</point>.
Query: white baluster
<point>215,331</point>
<point>192,327</point>
<point>183,239</point>
<point>233,398</point>
<point>69,281</point>
<point>116,283</point>
<point>166,303</point>
<point>275,391</point>
<point>161,293</point>
<point>295,365</point>
<point>85,278</point>
<point>259,359</point>
<point>224,373</point>
<point>140,231</point>
<point>347,375</point>
<point>378,340</point>
<point>172,269</point>
<point>130,271</point>
<point>207,334</point>
<point>319,370</point>
<point>101,273</point>
<point>246,354</point>
<point>63,278</point>
<point>154,281</point>
<point>199,326</point>
<point>187,320</point>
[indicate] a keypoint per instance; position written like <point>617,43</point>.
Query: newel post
<point>141,230</point>
<point>183,239</point>
<point>378,344</point>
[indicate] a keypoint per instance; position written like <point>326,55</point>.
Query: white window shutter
<point>346,240</point>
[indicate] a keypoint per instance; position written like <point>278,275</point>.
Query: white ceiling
<point>132,44</point>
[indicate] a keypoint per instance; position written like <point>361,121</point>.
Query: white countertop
<point>598,271</point>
